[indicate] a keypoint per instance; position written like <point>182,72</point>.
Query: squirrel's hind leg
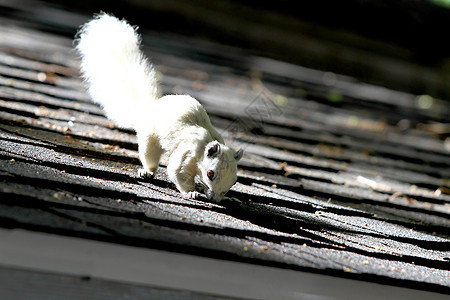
<point>149,153</point>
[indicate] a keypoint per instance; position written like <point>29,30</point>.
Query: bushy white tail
<point>119,76</point>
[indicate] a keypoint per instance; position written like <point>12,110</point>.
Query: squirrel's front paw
<point>145,173</point>
<point>192,195</point>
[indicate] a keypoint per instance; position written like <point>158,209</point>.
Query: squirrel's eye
<point>210,174</point>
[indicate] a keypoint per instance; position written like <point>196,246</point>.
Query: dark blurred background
<point>400,44</point>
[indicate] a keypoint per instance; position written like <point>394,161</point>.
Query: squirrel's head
<point>218,170</point>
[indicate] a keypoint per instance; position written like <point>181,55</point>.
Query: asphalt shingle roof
<point>338,177</point>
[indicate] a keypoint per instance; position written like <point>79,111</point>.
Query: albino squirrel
<point>122,80</point>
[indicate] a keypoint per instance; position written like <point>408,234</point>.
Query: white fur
<point>119,76</point>
<point>122,80</point>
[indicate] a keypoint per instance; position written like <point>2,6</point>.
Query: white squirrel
<point>122,80</point>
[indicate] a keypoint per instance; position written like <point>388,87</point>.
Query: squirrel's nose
<point>210,195</point>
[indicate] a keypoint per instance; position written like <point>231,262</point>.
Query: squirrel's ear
<point>238,154</point>
<point>213,150</point>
